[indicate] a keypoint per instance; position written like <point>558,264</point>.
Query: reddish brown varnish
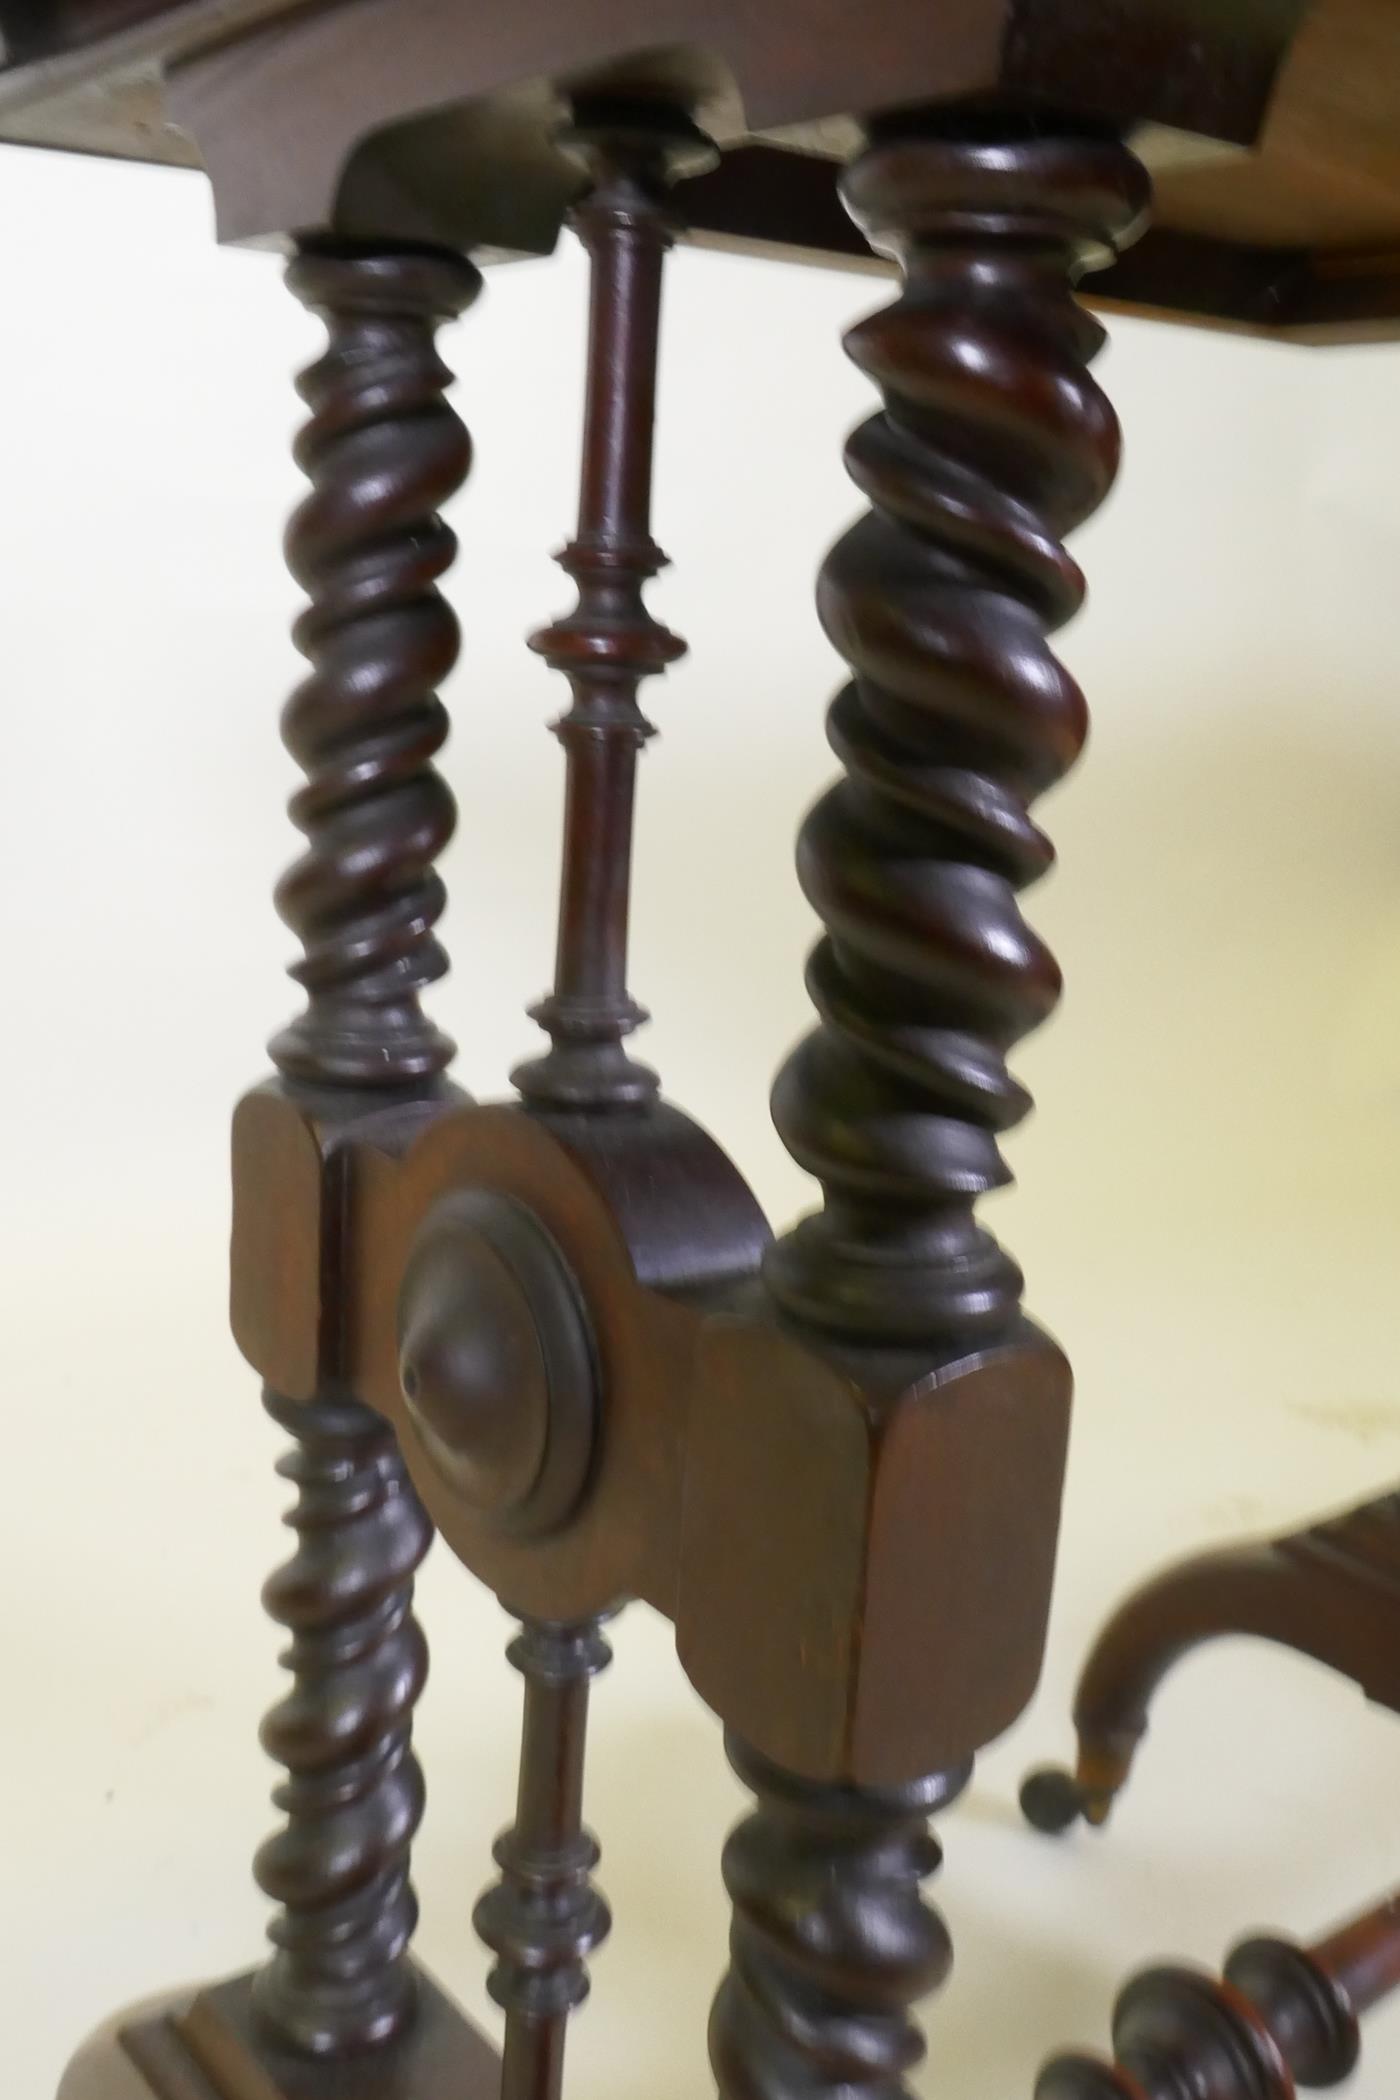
<point>558,1329</point>
<point>1281,2017</point>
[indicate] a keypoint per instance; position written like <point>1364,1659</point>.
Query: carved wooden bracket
<point>606,1406</point>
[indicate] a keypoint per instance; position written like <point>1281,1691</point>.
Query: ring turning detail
<point>353,1797</point>
<point>610,642</point>
<point>993,443</point>
<point>1281,2017</point>
<point>383,452</point>
<point>556,1329</point>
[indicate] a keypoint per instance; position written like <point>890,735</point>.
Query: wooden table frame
<point>558,1330</point>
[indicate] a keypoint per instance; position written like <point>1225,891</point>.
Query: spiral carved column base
<point>329,2017</point>
<point>832,1941</point>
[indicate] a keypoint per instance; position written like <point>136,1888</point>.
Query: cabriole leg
<point>1331,1592</point>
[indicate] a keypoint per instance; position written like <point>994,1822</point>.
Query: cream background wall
<point>1207,1209</point>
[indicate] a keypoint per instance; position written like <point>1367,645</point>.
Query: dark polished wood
<point>558,1329</point>
<point>433,103</point>
<point>832,1940</point>
<point>942,599</point>
<point>215,2046</point>
<point>381,450</point>
<point>1281,2017</point>
<point>887,1364</point>
<point>498,1363</point>
<point>544,1917</point>
<point>610,642</point>
<point>338,1870</point>
<point>993,444</point>
<point>341,2011</point>
<point>1331,1591</point>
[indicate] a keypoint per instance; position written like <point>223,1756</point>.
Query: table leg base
<point>210,2045</point>
<point>1331,1592</point>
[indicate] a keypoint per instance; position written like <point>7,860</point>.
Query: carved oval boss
<point>497,1361</point>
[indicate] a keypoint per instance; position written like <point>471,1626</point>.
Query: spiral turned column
<point>354,1793</point>
<point>993,443</point>
<point>832,1940</point>
<point>382,451</point>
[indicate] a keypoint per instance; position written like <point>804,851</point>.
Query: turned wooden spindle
<point>832,1940</point>
<point>1281,2017</point>
<point>353,1796</point>
<point>610,642</point>
<point>382,451</point>
<point>544,1916</point>
<point>993,442</point>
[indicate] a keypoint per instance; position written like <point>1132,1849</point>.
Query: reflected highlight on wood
<point>1331,1592</point>
<point>544,1917</point>
<point>994,443</point>
<point>383,452</point>
<point>610,642</point>
<point>1281,2017</point>
<point>832,1941</point>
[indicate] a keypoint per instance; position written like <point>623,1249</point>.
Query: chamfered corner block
<point>888,1619</point>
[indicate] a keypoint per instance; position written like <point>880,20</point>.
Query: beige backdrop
<point>1207,1215</point>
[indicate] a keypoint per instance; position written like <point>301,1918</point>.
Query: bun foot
<point>1053,1800</point>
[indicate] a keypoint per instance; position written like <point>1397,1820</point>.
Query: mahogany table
<point>558,1330</point>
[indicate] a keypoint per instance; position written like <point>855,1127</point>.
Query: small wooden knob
<point>496,1361</point>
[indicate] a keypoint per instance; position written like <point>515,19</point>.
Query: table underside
<point>1299,236</point>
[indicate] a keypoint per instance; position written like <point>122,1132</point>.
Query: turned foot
<point>1331,1592</point>
<point>1054,1799</point>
